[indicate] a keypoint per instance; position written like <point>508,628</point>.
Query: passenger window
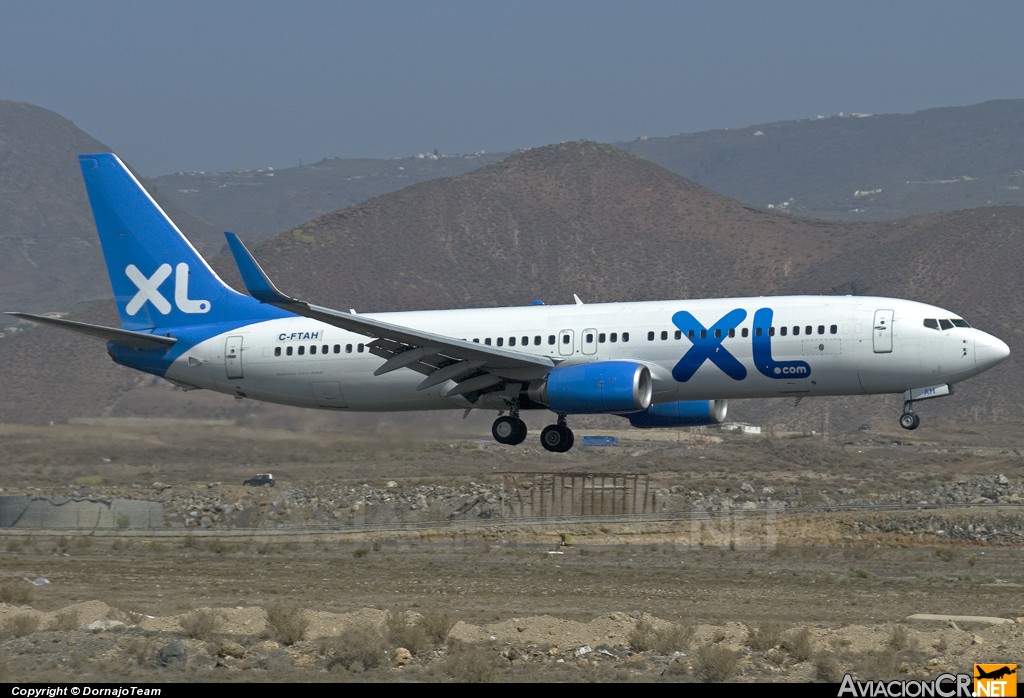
<point>359,348</point>
<point>337,348</point>
<point>732,332</point>
<point>288,351</point>
<point>600,337</point>
<point>536,340</point>
<point>551,339</point>
<point>348,348</point>
<point>833,329</point>
<point>664,335</point>
<point>718,334</point>
<point>511,341</point>
<point>771,331</point>
<point>625,336</point>
<point>476,340</point>
<point>565,339</point>
<point>613,337</point>
<point>526,341</point>
<point>821,329</point>
<point>501,341</point>
<point>757,331</point>
<point>807,330</point>
<point>302,350</point>
<point>487,341</point>
<point>782,330</point>
<point>679,334</point>
<point>745,332</point>
<point>650,336</point>
<point>277,351</point>
<point>796,330</point>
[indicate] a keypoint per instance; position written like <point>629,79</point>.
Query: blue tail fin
<point>158,277</point>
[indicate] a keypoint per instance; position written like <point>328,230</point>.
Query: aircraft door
<point>588,341</point>
<point>233,356</point>
<point>883,331</point>
<point>565,343</point>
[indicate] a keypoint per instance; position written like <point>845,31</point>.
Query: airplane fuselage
<point>696,350</point>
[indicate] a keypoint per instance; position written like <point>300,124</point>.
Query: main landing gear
<point>511,430</point>
<point>557,438</point>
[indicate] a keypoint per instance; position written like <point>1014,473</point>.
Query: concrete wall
<point>79,513</point>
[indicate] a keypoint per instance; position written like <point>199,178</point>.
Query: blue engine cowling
<point>601,387</point>
<point>683,413</point>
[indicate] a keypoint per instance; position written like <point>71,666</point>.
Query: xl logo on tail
<point>149,290</point>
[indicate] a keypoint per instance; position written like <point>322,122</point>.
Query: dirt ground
<point>826,593</point>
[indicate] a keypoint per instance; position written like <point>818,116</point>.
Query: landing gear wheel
<point>557,438</point>
<point>509,430</point>
<point>909,421</point>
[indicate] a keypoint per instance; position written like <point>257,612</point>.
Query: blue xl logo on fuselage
<point>707,346</point>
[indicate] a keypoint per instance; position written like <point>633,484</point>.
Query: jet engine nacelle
<point>683,413</point>
<point>601,387</point>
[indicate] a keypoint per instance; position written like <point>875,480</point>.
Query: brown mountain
<point>576,218</point>
<point>859,166</point>
<point>855,167</point>
<point>545,223</point>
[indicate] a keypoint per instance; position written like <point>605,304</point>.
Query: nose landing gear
<point>910,421</point>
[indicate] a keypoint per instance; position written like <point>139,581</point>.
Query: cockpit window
<point>931,323</point>
<point>945,324</point>
<point>957,322</point>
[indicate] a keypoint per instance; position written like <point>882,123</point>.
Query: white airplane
<point>667,363</point>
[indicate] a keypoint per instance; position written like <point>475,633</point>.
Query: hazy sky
<point>224,85</point>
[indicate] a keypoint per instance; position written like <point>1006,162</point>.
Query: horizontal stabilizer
<point>127,338</point>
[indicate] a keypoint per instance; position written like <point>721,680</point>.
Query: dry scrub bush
<point>798,644</point>
<point>202,624</point>
<point>21,625</point>
<point>411,636</point>
<point>716,663</point>
<point>286,623</point>
<point>16,592</point>
<point>472,662</point>
<point>646,637</point>
<point>437,625</point>
<point>827,668</point>
<point>355,649</point>
<point>764,637</point>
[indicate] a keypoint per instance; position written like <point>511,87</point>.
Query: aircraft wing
<point>474,367</point>
<point>134,340</point>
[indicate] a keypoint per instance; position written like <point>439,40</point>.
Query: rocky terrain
<point>742,559</point>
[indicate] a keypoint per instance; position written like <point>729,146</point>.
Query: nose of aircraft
<point>989,350</point>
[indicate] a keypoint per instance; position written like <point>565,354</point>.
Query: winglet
<point>256,281</point>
